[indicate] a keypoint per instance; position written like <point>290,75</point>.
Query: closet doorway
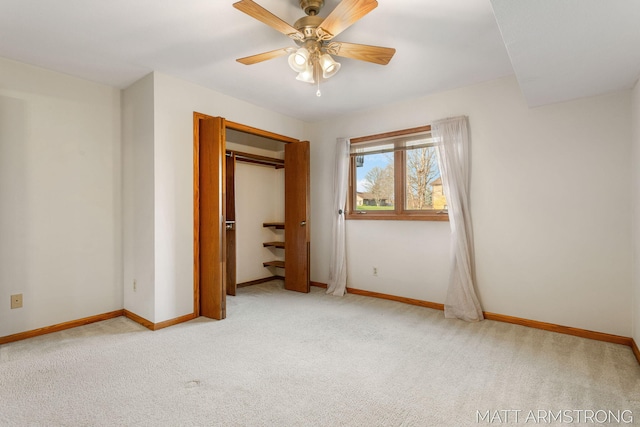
<point>215,224</point>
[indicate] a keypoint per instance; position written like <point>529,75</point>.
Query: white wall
<point>138,198</point>
<point>635,163</point>
<point>174,102</point>
<point>550,198</point>
<point>60,197</point>
<point>550,202</point>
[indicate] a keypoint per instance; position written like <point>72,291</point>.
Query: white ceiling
<point>560,49</point>
<point>566,49</point>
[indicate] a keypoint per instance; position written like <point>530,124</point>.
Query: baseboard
<point>259,281</point>
<point>634,348</point>
<point>319,285</point>
<point>411,301</point>
<point>60,326</point>
<point>568,330</point>
<point>175,321</point>
<point>155,326</point>
<point>92,319</point>
<point>139,319</point>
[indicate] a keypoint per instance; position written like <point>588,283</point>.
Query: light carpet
<point>287,359</point>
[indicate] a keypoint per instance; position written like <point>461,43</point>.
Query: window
<point>396,176</point>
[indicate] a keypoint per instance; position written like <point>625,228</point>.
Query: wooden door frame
<point>196,189</point>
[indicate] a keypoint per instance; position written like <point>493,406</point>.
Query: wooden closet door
<point>211,139</point>
<point>296,216</point>
<point>231,224</point>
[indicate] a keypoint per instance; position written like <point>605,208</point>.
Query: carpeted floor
<point>288,359</point>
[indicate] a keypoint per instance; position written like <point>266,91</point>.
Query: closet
<point>255,176</point>
<point>251,211</point>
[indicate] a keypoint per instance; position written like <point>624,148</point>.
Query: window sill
<point>398,217</point>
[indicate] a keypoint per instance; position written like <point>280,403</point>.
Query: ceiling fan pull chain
<point>316,68</point>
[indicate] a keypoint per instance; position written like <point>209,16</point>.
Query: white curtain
<point>338,268</point>
<point>453,158</point>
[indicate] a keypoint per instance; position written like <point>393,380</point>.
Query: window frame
<point>399,213</point>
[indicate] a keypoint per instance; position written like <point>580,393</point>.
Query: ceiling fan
<point>314,36</point>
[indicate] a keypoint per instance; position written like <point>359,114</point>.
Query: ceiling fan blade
<point>254,59</point>
<point>258,12</point>
<point>363,52</point>
<point>345,14</point>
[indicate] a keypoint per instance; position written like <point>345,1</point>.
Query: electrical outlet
<point>375,271</point>
<point>16,301</point>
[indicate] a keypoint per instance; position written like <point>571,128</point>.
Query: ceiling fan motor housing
<point>311,7</point>
<point>307,26</point>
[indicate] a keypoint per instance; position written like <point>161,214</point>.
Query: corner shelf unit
<point>276,225</point>
<point>274,244</point>
<point>278,264</point>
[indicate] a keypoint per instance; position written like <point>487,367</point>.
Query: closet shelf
<point>255,159</point>
<point>279,264</point>
<point>273,244</point>
<point>276,225</point>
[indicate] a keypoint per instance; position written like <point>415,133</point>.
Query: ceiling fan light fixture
<point>299,60</point>
<point>306,75</point>
<point>313,34</point>
<point>329,65</point>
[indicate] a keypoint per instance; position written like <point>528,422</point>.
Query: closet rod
<point>256,159</point>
